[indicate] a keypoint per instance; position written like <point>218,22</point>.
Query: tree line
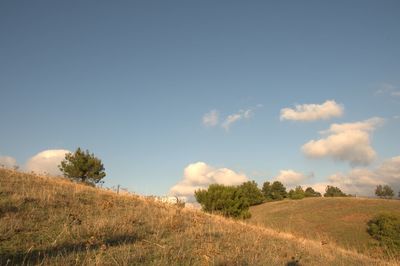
<point>234,201</point>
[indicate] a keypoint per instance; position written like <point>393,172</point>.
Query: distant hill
<point>342,221</point>
<point>52,221</point>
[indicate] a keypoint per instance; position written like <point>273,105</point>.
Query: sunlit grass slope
<point>342,221</point>
<point>51,221</point>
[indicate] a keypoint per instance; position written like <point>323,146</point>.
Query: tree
<point>384,191</point>
<point>379,191</point>
<point>266,190</point>
<point>332,191</point>
<point>251,191</point>
<point>297,193</point>
<point>310,192</point>
<point>388,192</point>
<point>278,191</point>
<point>82,167</point>
<point>225,200</point>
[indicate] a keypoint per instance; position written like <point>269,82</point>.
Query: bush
<point>82,167</point>
<point>332,191</point>
<point>385,228</point>
<point>310,192</point>
<point>251,191</point>
<point>228,201</point>
<point>297,193</point>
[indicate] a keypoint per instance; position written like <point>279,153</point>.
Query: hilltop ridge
<point>52,221</point>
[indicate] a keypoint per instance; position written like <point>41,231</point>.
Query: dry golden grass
<point>51,221</point>
<point>342,221</point>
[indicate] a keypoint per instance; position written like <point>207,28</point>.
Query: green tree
<point>332,191</point>
<point>384,191</point>
<point>81,166</point>
<point>266,190</point>
<point>310,192</point>
<point>297,193</point>
<point>379,191</point>
<point>225,200</point>
<point>388,192</point>
<point>251,191</point>
<point>278,191</point>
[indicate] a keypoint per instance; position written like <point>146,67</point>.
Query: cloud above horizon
<point>233,118</point>
<point>200,175</point>
<point>292,178</point>
<point>346,142</point>
<point>363,181</point>
<point>312,112</point>
<point>211,118</point>
<point>387,88</point>
<point>8,162</point>
<point>46,162</point>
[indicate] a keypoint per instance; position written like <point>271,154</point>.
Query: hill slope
<point>51,221</point>
<point>342,221</point>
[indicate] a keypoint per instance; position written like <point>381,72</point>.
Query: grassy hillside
<point>342,221</point>
<point>51,221</point>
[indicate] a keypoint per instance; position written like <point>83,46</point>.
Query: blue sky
<point>132,80</point>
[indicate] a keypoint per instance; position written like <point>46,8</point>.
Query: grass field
<point>342,221</point>
<point>51,221</point>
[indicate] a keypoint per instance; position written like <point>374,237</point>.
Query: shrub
<point>297,193</point>
<point>385,228</point>
<point>251,191</point>
<point>332,191</point>
<point>310,192</point>
<point>228,201</point>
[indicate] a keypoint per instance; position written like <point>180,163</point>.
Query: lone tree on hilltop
<point>81,166</point>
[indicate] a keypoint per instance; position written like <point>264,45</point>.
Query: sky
<point>175,95</point>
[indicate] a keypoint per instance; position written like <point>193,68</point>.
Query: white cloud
<point>386,88</point>
<point>233,118</point>
<point>200,175</point>
<point>7,162</point>
<point>291,178</point>
<point>46,162</point>
<point>211,118</point>
<point>363,181</point>
<point>312,112</point>
<point>346,142</point>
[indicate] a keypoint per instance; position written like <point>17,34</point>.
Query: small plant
<point>385,228</point>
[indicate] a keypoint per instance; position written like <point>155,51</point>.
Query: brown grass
<point>51,221</point>
<point>341,221</point>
